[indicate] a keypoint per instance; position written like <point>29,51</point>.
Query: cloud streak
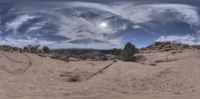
<point>186,39</point>
<point>80,21</point>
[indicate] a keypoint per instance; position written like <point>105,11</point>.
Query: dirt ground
<point>156,75</point>
<point>108,97</point>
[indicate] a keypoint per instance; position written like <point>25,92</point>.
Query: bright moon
<point>103,25</point>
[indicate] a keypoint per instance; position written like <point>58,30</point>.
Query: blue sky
<point>99,24</point>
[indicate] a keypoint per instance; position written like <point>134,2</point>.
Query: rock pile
<point>166,46</point>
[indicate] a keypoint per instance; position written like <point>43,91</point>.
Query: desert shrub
<point>74,78</point>
<point>196,46</point>
<point>104,58</point>
<point>185,46</point>
<point>31,48</point>
<point>8,48</point>
<point>152,64</point>
<point>165,60</point>
<point>21,50</point>
<point>83,57</point>
<point>115,51</point>
<point>159,61</point>
<point>128,52</point>
<point>46,49</point>
<point>60,55</point>
<point>55,56</point>
<point>158,43</point>
<point>65,58</point>
<point>25,49</point>
<point>167,49</point>
<point>92,57</point>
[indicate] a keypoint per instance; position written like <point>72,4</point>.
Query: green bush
<point>46,49</point>
<point>115,51</point>
<point>128,52</point>
<point>32,48</point>
<point>8,48</point>
<point>26,49</point>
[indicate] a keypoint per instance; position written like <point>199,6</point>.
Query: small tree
<point>115,51</point>
<point>46,49</point>
<point>128,52</point>
<point>34,48</point>
<point>26,49</point>
<point>31,48</point>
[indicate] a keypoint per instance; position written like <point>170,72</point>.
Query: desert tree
<point>31,48</point>
<point>128,52</point>
<point>46,49</point>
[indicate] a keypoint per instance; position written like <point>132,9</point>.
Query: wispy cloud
<point>17,22</point>
<point>81,21</point>
<point>186,39</point>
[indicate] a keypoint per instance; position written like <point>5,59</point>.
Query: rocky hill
<point>166,46</point>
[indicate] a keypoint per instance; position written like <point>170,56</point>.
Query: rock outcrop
<point>166,46</point>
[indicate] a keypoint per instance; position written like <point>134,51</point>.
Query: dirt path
<point>30,63</point>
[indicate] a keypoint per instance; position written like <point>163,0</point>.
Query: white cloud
<point>186,39</point>
<point>23,42</point>
<point>116,43</point>
<point>16,23</point>
<point>76,28</point>
<point>162,13</point>
<point>134,13</point>
<point>136,26</point>
<point>142,14</point>
<point>33,28</point>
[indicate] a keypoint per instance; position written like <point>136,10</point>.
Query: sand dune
<point>154,74</point>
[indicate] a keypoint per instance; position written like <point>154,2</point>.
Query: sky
<point>98,24</point>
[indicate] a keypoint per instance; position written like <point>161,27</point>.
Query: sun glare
<point>103,25</point>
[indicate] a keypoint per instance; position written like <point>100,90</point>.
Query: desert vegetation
<point>128,52</point>
<point>46,50</point>
<point>32,49</point>
<point>196,47</point>
<point>9,48</point>
<point>114,51</point>
<point>125,54</point>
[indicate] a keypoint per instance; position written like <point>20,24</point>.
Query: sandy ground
<point>157,75</point>
<point>108,97</point>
